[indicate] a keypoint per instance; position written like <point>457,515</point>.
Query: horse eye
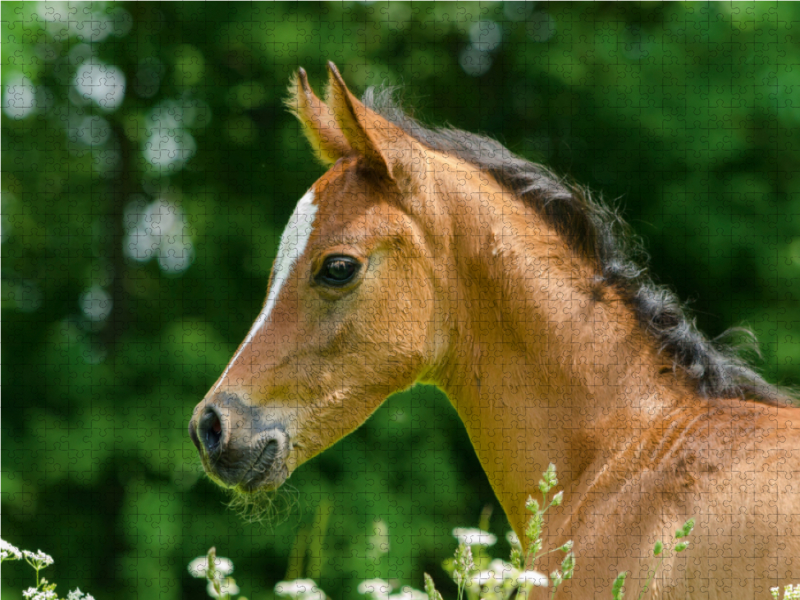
<point>338,270</point>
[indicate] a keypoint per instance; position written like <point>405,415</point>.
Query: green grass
<point>476,573</point>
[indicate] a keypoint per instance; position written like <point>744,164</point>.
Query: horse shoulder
<point>733,467</point>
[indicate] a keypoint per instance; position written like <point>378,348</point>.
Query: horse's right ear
<point>318,121</point>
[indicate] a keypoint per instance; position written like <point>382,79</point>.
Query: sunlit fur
<point>542,348</point>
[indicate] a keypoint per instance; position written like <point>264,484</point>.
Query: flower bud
<point>658,548</point>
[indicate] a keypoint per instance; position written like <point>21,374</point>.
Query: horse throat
<point>540,363</point>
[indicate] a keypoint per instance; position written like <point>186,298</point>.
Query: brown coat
<point>462,285</point>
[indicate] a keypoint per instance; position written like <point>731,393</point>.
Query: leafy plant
<point>479,576</point>
<point>658,550</point>
<point>790,592</point>
<point>216,570</point>
<point>44,590</point>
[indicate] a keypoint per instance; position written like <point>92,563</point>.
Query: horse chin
<point>266,482</point>
<point>267,503</point>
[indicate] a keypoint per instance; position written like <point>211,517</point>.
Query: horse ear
<point>385,146</point>
<point>319,122</point>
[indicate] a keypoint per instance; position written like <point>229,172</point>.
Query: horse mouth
<point>268,470</point>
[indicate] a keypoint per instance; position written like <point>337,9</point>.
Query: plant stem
<point>650,579</point>
<point>538,556</point>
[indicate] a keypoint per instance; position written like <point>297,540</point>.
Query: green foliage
<point>533,532</point>
<point>494,579</point>
<point>658,549</point>
<point>109,342</point>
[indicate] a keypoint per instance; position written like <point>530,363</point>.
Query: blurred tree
<point>148,170</point>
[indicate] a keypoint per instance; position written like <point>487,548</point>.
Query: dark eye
<point>338,270</point>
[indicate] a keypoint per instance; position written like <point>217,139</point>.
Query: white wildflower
<point>493,577</point>
<point>301,589</point>
<point>37,594</point>
<point>472,536</point>
<point>199,567</point>
<point>502,569</point>
<point>227,586</point>
<point>409,593</point>
<point>77,594</point>
<point>790,592</point>
<point>38,560</point>
<point>378,589</point>
<point>7,550</point>
<point>513,539</point>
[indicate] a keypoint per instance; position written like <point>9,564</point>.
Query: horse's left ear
<point>383,144</point>
<point>318,121</point>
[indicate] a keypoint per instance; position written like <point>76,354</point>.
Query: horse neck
<point>543,356</point>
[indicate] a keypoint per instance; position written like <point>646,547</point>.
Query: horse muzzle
<point>240,446</point>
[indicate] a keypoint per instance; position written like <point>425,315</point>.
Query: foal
<point>439,257</point>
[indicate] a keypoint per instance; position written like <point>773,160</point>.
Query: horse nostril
<point>210,429</point>
<point>193,434</point>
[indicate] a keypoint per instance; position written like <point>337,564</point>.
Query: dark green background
<point>687,113</point>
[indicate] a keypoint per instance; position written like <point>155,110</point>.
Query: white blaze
<point>293,243</point>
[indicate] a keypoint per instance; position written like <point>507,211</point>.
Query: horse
<point>438,256</point>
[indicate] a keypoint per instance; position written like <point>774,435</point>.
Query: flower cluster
<point>379,589</point>
<point>790,592</point>
<point>375,589</point>
<point>9,552</point>
<point>480,576</point>
<point>38,560</point>
<point>33,593</point>
<point>472,536</point>
<point>300,589</point>
<point>216,569</point>
<point>199,566</point>
<point>501,578</point>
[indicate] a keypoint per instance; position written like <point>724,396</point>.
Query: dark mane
<point>599,233</point>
